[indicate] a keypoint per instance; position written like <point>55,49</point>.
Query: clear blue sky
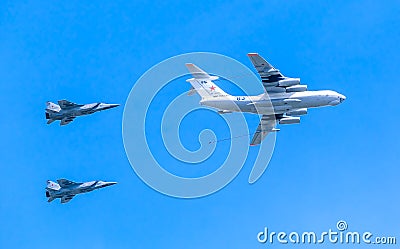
<point>340,163</point>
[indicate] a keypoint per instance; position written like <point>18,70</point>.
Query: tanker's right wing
<point>267,125</point>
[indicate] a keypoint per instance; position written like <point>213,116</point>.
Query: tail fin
<point>202,83</point>
<point>51,107</point>
<point>52,185</point>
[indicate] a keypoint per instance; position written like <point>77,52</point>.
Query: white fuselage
<point>279,103</point>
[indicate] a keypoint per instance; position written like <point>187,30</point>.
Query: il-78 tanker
<point>283,100</point>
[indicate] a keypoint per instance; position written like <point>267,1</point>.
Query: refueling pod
<point>302,111</point>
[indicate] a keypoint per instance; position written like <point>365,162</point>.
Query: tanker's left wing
<point>272,79</point>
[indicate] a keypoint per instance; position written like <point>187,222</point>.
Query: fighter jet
<point>288,99</point>
<point>66,190</point>
<point>67,111</point>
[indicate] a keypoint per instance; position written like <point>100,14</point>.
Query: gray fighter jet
<point>66,190</point>
<point>67,111</point>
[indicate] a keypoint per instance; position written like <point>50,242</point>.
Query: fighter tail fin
<point>203,83</point>
<point>51,107</point>
<point>52,185</point>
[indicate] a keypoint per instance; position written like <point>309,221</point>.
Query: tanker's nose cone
<point>342,98</point>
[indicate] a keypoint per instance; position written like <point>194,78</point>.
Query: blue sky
<point>340,163</point>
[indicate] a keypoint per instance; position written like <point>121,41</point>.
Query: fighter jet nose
<point>108,106</point>
<point>113,105</point>
<point>110,183</point>
<point>102,184</point>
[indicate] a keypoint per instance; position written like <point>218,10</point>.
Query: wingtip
<point>252,54</point>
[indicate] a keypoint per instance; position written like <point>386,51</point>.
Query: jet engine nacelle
<point>224,112</point>
<point>290,120</point>
<point>289,82</point>
<point>298,112</point>
<point>298,88</point>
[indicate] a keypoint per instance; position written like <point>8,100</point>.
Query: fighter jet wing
<point>65,104</point>
<point>65,183</point>
<point>267,125</point>
<point>66,120</point>
<point>66,198</point>
<point>272,79</point>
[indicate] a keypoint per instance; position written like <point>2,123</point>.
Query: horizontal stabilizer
<point>191,91</point>
<point>66,198</point>
<point>198,73</point>
<point>50,121</point>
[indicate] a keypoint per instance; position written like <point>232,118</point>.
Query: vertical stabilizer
<point>52,185</point>
<point>50,106</point>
